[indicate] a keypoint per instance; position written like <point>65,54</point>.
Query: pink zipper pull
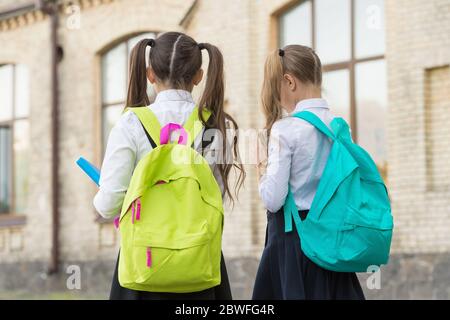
<point>138,214</point>
<point>149,257</point>
<point>116,222</point>
<point>132,213</point>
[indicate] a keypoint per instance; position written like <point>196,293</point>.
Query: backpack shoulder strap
<point>316,122</point>
<point>149,122</point>
<point>193,124</point>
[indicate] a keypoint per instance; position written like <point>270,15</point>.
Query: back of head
<point>297,60</point>
<point>175,59</point>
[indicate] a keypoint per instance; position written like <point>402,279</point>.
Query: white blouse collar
<point>174,95</point>
<point>311,103</point>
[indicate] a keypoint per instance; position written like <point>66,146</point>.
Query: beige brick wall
<point>418,40</point>
<point>437,126</point>
<point>21,46</point>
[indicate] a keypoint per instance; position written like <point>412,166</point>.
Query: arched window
<point>349,37</point>
<point>115,63</point>
<point>14,138</point>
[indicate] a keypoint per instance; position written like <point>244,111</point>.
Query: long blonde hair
<point>299,61</point>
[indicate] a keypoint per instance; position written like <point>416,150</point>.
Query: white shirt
<point>297,156</point>
<point>128,143</point>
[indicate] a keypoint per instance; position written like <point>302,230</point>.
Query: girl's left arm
<point>117,169</point>
<point>274,184</point>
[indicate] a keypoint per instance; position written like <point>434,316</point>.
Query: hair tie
<point>201,46</point>
<point>151,43</point>
<point>281,52</point>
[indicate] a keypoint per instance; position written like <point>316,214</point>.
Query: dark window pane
<point>114,78</point>
<point>6,92</point>
<point>21,164</point>
<point>295,26</point>
<point>5,169</point>
<point>22,94</point>
<point>336,89</point>
<point>371,98</point>
<point>370,32</point>
<point>111,115</point>
<point>333,30</point>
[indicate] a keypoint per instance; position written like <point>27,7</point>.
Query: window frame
<point>349,65</point>
<point>11,217</point>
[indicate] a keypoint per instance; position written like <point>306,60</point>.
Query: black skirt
<point>220,292</point>
<point>285,272</point>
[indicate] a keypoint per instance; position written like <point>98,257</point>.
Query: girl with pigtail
<point>174,68</point>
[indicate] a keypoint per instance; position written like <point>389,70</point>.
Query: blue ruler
<point>89,169</point>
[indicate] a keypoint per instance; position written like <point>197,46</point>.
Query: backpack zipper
<point>136,210</point>
<point>149,257</point>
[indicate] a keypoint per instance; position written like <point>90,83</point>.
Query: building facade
<point>386,70</point>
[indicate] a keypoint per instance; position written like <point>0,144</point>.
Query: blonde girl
<point>297,154</point>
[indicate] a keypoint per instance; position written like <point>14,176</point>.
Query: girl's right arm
<point>117,169</point>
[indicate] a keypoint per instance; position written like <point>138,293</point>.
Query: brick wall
<point>20,45</point>
<point>418,51</point>
<point>437,127</point>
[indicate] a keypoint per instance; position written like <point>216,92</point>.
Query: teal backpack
<point>349,225</point>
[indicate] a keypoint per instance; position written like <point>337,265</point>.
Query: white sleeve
<point>117,169</point>
<point>274,184</point>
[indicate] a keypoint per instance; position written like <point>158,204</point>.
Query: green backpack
<point>172,216</point>
<point>349,225</point>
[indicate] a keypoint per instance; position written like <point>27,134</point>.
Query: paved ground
<point>24,295</point>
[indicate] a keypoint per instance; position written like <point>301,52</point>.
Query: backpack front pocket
<point>163,264</point>
<point>365,238</point>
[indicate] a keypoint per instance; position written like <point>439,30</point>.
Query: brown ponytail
<point>137,86</point>
<point>213,99</point>
<point>214,93</point>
